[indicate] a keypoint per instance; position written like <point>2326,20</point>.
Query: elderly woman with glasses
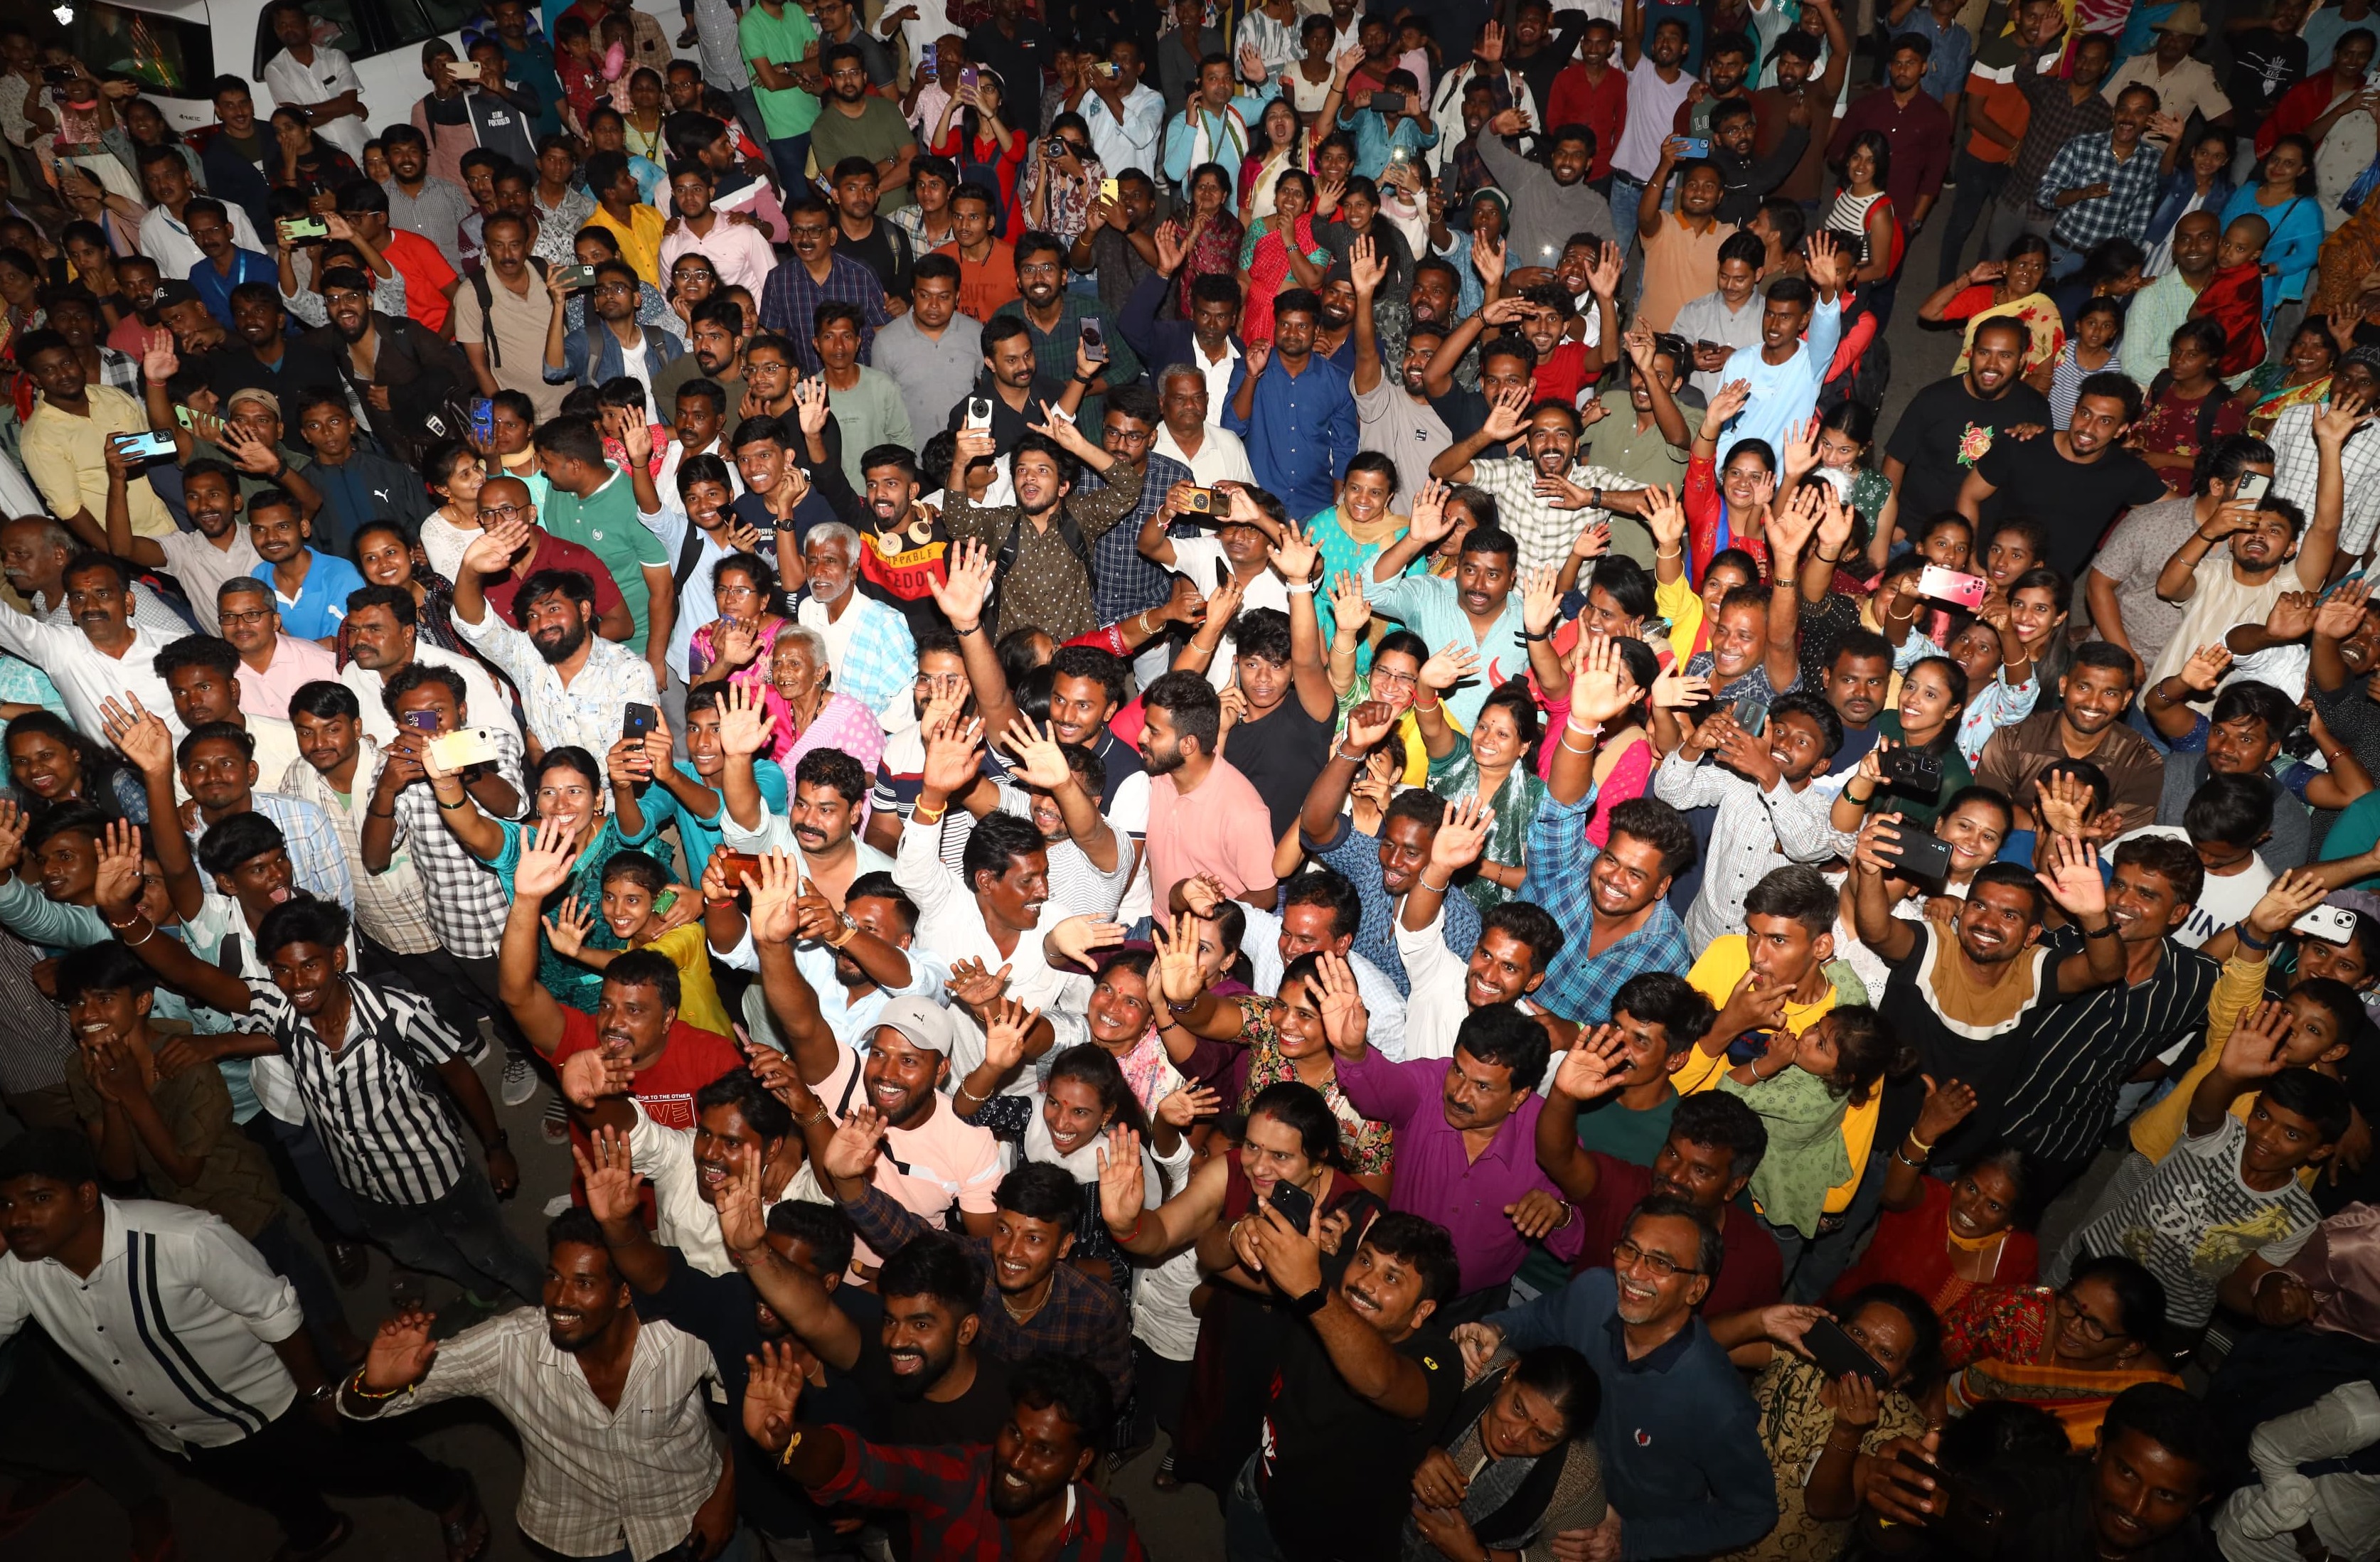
<point>2067,1351</point>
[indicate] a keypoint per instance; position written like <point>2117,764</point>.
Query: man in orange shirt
<point>987,266</point>
<point>429,282</point>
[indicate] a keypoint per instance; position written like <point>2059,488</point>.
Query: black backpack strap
<point>484,291</point>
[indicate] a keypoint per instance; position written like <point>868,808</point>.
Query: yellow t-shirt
<point>1677,601</point>
<point>1715,974</point>
<point>697,994</point>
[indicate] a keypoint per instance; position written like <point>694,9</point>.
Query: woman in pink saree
<point>737,646</point>
<point>808,713</point>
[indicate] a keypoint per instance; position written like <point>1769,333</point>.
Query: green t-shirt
<point>605,522</point>
<point>781,40</point>
<point>878,135</point>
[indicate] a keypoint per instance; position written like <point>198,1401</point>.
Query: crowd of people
<point>935,633</point>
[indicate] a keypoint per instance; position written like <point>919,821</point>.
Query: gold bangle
<point>918,815</point>
<point>356,1387</point>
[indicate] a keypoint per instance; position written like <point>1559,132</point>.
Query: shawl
<point>2234,299</point>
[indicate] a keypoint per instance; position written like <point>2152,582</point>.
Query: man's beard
<point>563,648</point>
<point>910,1388</point>
<point>352,333</point>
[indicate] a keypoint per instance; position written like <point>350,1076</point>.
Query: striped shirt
<point>393,908</point>
<point>392,1134</point>
<point>2082,1052</point>
<point>176,1324</point>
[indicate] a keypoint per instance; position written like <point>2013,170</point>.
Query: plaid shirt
<point>467,903</point>
<point>879,663</point>
<point>789,303</point>
<point>1545,533</point>
<point>119,369</point>
<point>1082,1318</point>
<point>2296,463</point>
<point>1053,350</point>
<point>392,908</point>
<point>1579,985</point>
<point>585,711</point>
<point>318,864</point>
<point>2123,212</point>
<point>948,1493</point>
<point>2057,120</point>
<point>1357,856</point>
<point>1122,582</point>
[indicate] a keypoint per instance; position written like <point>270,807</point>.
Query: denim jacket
<point>581,366</point>
<point>2174,199</point>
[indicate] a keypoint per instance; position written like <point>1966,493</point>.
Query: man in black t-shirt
<point>1359,1395</point>
<point>2075,482</point>
<point>1951,424</point>
<point>877,245</point>
<point>2266,62</point>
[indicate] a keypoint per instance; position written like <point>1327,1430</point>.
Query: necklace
<point>1049,1285</point>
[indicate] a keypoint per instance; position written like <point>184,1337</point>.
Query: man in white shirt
<point>1321,915</point>
<point>183,1326</point>
<point>633,1471</point>
<point>317,80</point>
<point>33,554</point>
<point>104,657</point>
<point>868,643</point>
<point>383,639</point>
<point>1184,395</point>
<point>165,237</point>
<point>1124,115</point>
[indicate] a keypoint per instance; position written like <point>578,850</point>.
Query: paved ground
<point>1181,1527</point>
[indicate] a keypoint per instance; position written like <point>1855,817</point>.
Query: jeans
<point>1626,191</point>
<point>48,1422</point>
<point>2064,262</point>
<point>461,1236</point>
<point>286,1468</point>
<point>1248,1533</point>
<point>791,154</point>
<point>1978,182</point>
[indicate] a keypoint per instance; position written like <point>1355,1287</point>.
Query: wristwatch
<point>1311,1302</point>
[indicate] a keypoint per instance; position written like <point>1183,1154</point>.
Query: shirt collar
<point>1661,1358</point>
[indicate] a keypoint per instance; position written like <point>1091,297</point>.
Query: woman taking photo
<point>1516,1463</point>
<point>972,135</point>
<point>2010,288</point>
<point>51,764</point>
<point>1279,248</point>
<point>1943,1238</point>
<point>1060,190</point>
<point>1933,696</point>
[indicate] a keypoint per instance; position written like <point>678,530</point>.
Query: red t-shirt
<point>554,553</point>
<point>690,1059</point>
<point>1563,373</point>
<point>427,276</point>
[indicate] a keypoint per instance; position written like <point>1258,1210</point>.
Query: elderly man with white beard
<point>867,642</point>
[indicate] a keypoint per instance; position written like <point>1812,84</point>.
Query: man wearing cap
<point>931,1159</point>
<point>2183,85</point>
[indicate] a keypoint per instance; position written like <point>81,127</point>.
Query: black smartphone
<point>1919,853</point>
<point>1837,1353</point>
<point>1752,714</point>
<point>1388,102</point>
<point>637,721</point>
<point>1913,770</point>
<point>1972,1519</point>
<point>1223,573</point>
<point>58,75</point>
<point>1296,1205</point>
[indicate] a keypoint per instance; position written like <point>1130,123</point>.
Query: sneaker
<point>520,1082</point>
<point>556,1205</point>
<point>686,39</point>
<point>556,1122</point>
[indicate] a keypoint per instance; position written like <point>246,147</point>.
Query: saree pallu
<point>2078,1398</point>
<point>2234,299</point>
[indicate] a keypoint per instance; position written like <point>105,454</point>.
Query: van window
<point>172,53</point>
<point>368,29</point>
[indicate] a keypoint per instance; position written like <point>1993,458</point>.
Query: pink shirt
<point>947,1159</point>
<point>738,251</point>
<point>294,664</point>
<point>1222,828</point>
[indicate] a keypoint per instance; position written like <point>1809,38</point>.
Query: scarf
<point>2234,299</point>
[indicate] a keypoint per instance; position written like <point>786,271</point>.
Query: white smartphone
<point>2253,486</point>
<point>2332,924</point>
<point>466,746</point>
<point>978,412</point>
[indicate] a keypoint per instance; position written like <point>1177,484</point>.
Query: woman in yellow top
<point>1688,604</point>
<point>1394,677</point>
<point>2010,288</point>
<point>634,883</point>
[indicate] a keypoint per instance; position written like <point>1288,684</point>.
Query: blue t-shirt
<point>699,835</point>
<point>322,603</point>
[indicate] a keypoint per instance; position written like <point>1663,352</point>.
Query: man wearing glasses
<point>1679,1438</point>
<point>273,664</point>
<point>612,342</point>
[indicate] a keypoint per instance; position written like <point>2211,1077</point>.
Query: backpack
<point>484,291</point>
<point>1014,543</point>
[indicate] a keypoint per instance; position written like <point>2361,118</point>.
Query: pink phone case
<point>1949,586</point>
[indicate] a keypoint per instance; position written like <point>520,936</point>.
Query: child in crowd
<point>636,887</point>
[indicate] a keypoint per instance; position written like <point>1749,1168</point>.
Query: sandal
<point>459,1533</point>
<point>340,1534</point>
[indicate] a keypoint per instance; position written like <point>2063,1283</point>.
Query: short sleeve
<point>977,1187</point>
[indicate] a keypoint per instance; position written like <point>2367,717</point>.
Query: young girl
<point>2038,606</point>
<point>1802,1087</point>
<point>2098,331</point>
<point>633,886</point>
<point>2188,411</point>
<point>1932,696</point>
<point>2001,688</point>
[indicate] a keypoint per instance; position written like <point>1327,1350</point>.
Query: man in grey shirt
<point>933,352</point>
<point>1392,416</point>
<point>420,204</point>
<point>1552,199</point>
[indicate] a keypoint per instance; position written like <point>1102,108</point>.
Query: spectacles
<point>1395,680</point>
<point>2088,1326</point>
<point>1626,1255</point>
<point>502,510</point>
<point>255,615</point>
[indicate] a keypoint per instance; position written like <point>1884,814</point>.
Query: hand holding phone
<point>1952,586</point>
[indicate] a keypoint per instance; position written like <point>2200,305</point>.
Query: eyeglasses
<point>503,512</point>
<point>1395,680</point>
<point>2088,1326</point>
<point>1626,1255</point>
<point>245,619</point>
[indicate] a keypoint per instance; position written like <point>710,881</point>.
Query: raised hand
<point>1600,686</point>
<point>962,596</point>
<point>1344,1019</point>
<point>141,734</point>
<point>952,750</point>
<point>1730,400</point>
<point>1350,610</point>
<point>2207,666</point>
<point>606,1170</point>
<point>1427,520</point>
<point>401,1351</point>
<point>1187,1104</point>
<point>1078,937</point>
<point>2073,879</point>
<point>1536,1212</point>
<point>2341,614</point>
<point>1540,598</point>
<point>1005,1025</point>
<point>1123,1192</point>
<point>2292,615</point>
<point>2284,901</point>
<point>1294,556</point>
<point>1180,976</point>
<point>1366,268</point>
<point>589,1076</point>
<point>2064,802</point>
<point>1593,1064</point>
<point>853,1150</point>
<point>778,912</point>
<point>1462,836</point>
<point>975,986</point>
<point>545,861</point>
<point>1603,273</point>
<point>159,361</point>
<point>2258,1046</point>
<point>1368,724</point>
<point>745,724</point>
<point>1040,762</point>
<point>1945,1107</point>
<point>117,884</point>
<point>1449,667</point>
<point>568,928</point>
<point>772,1392</point>
<point>1800,451</point>
<point>1673,690</point>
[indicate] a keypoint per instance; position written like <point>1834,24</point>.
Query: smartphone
<point>1388,102</point>
<point>300,230</point>
<point>1913,770</point>
<point>1207,502</point>
<point>1920,854</point>
<point>420,720</point>
<point>463,70</point>
<point>638,721</point>
<point>664,901</point>
<point>1693,146</point>
<point>1837,1353</point>
<point>1105,70</point>
<point>931,54</point>
<point>2253,486</point>
<point>2332,924</point>
<point>57,75</point>
<point>1973,1520</point>
<point>978,412</point>
<point>734,865</point>
<point>143,447</point>
<point>1111,190</point>
<point>1750,713</point>
<point>465,747</point>
<point>185,416</point>
<point>1296,1205</point>
<point>967,75</point>
<point>1952,585</point>
<point>1223,573</point>
<point>483,419</point>
<point>1095,341</point>
<point>575,277</point>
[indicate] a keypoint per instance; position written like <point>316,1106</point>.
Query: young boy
<point>2234,296</point>
<point>633,884</point>
<point>2227,1208</point>
<point>2227,818</point>
<point>1660,1018</point>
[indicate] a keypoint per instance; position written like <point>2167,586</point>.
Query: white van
<point>192,41</point>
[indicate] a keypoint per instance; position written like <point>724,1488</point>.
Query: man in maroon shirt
<point>1917,128</point>
<point>1715,1145</point>
<point>507,499</point>
<point>1798,99</point>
